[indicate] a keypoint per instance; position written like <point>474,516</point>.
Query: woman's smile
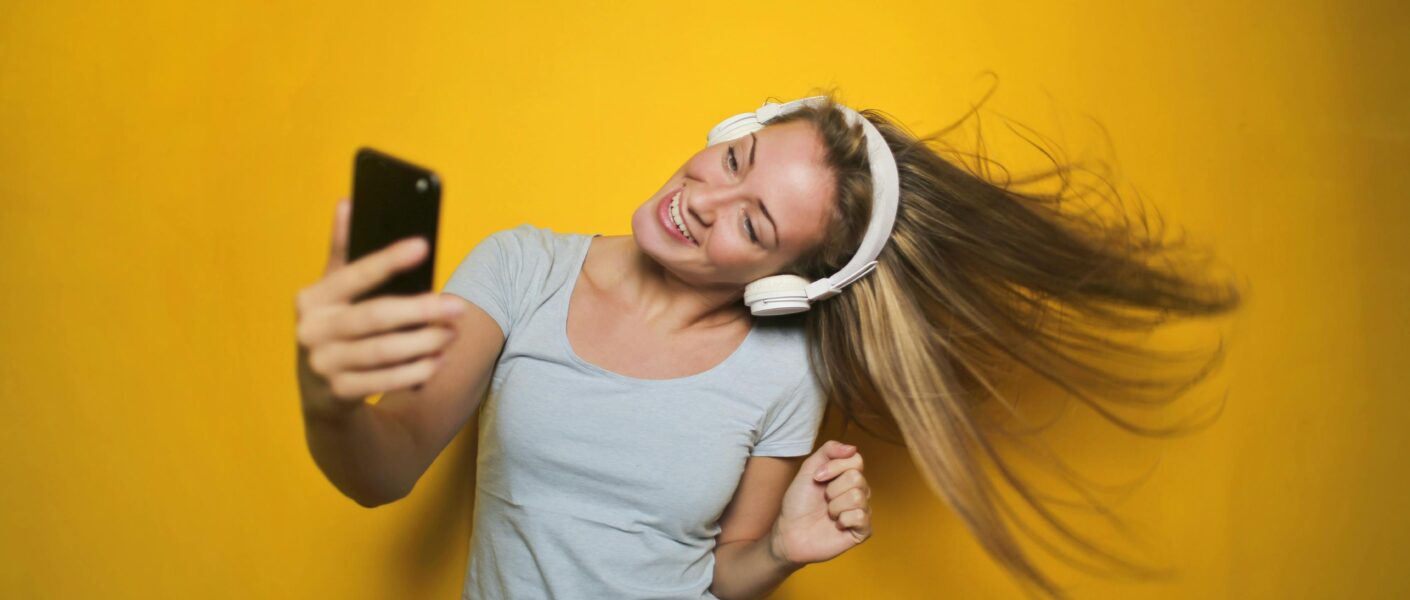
<point>663,214</point>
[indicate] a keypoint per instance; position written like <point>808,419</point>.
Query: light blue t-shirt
<point>593,484</point>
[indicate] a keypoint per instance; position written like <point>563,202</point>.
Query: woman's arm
<point>782,524</point>
<point>746,564</point>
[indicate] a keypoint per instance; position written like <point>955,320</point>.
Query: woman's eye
<point>748,224</point>
<point>729,160</point>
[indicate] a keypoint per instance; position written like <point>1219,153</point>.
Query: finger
<point>381,351</point>
<point>358,384</point>
<point>378,315</point>
<point>849,479</point>
<point>835,467</point>
<point>367,272</point>
<point>853,498</point>
<point>856,519</point>
<point>338,245</point>
<point>814,465</point>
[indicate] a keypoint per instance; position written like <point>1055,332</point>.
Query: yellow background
<point>168,173</point>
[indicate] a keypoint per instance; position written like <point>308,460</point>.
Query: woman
<point>645,433</point>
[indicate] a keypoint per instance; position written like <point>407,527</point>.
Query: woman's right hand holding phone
<point>351,350</point>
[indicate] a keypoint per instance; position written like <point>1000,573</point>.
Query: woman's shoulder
<point>780,346</point>
<point>543,237</point>
<point>534,245</point>
<point>528,253</point>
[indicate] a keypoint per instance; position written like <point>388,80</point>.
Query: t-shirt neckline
<point>566,303</point>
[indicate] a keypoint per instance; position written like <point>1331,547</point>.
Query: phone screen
<point>392,200</point>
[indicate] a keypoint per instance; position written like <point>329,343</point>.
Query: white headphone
<point>786,294</point>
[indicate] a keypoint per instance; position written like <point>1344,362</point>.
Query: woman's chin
<point>648,234</point>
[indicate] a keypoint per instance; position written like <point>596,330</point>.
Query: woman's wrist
<point>777,553</point>
<point>317,399</point>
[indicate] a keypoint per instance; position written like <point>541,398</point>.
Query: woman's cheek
<point>736,263</point>
<point>727,256</point>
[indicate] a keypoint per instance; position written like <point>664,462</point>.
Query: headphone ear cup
<point>777,295</point>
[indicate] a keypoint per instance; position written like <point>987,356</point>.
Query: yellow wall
<point>168,173</point>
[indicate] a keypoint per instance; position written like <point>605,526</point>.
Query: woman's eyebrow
<point>770,217</point>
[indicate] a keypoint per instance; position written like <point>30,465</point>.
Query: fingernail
<point>412,248</point>
<point>849,447</point>
<point>820,474</point>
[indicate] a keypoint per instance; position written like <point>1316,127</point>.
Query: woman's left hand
<point>826,509</point>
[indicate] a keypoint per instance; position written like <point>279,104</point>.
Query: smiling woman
<point>632,375</point>
<point>743,219</point>
<point>644,435</point>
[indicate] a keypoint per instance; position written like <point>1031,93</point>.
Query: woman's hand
<point>353,349</point>
<point>826,509</point>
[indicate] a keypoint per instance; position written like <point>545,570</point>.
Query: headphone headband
<point>784,294</point>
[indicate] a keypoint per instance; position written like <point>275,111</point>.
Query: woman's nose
<point>708,200</point>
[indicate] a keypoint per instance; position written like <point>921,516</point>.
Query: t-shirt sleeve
<point>495,275</point>
<point>791,427</point>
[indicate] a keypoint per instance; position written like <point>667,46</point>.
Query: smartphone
<point>393,199</point>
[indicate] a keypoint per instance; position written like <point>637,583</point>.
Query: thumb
<point>831,449</point>
<point>338,248</point>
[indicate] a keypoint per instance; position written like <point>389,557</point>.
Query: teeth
<point>675,210</point>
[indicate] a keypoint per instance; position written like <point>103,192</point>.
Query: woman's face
<point>782,197</point>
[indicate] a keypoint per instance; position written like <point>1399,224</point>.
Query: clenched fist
<point>826,509</point>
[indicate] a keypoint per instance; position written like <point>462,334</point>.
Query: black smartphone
<point>393,199</point>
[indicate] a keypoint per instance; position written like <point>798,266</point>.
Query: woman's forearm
<point>357,448</point>
<point>749,569</point>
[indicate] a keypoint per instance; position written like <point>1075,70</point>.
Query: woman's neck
<point>657,296</point>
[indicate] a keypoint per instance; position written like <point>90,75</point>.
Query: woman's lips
<point>663,214</point>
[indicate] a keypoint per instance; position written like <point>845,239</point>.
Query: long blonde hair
<point>978,277</point>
